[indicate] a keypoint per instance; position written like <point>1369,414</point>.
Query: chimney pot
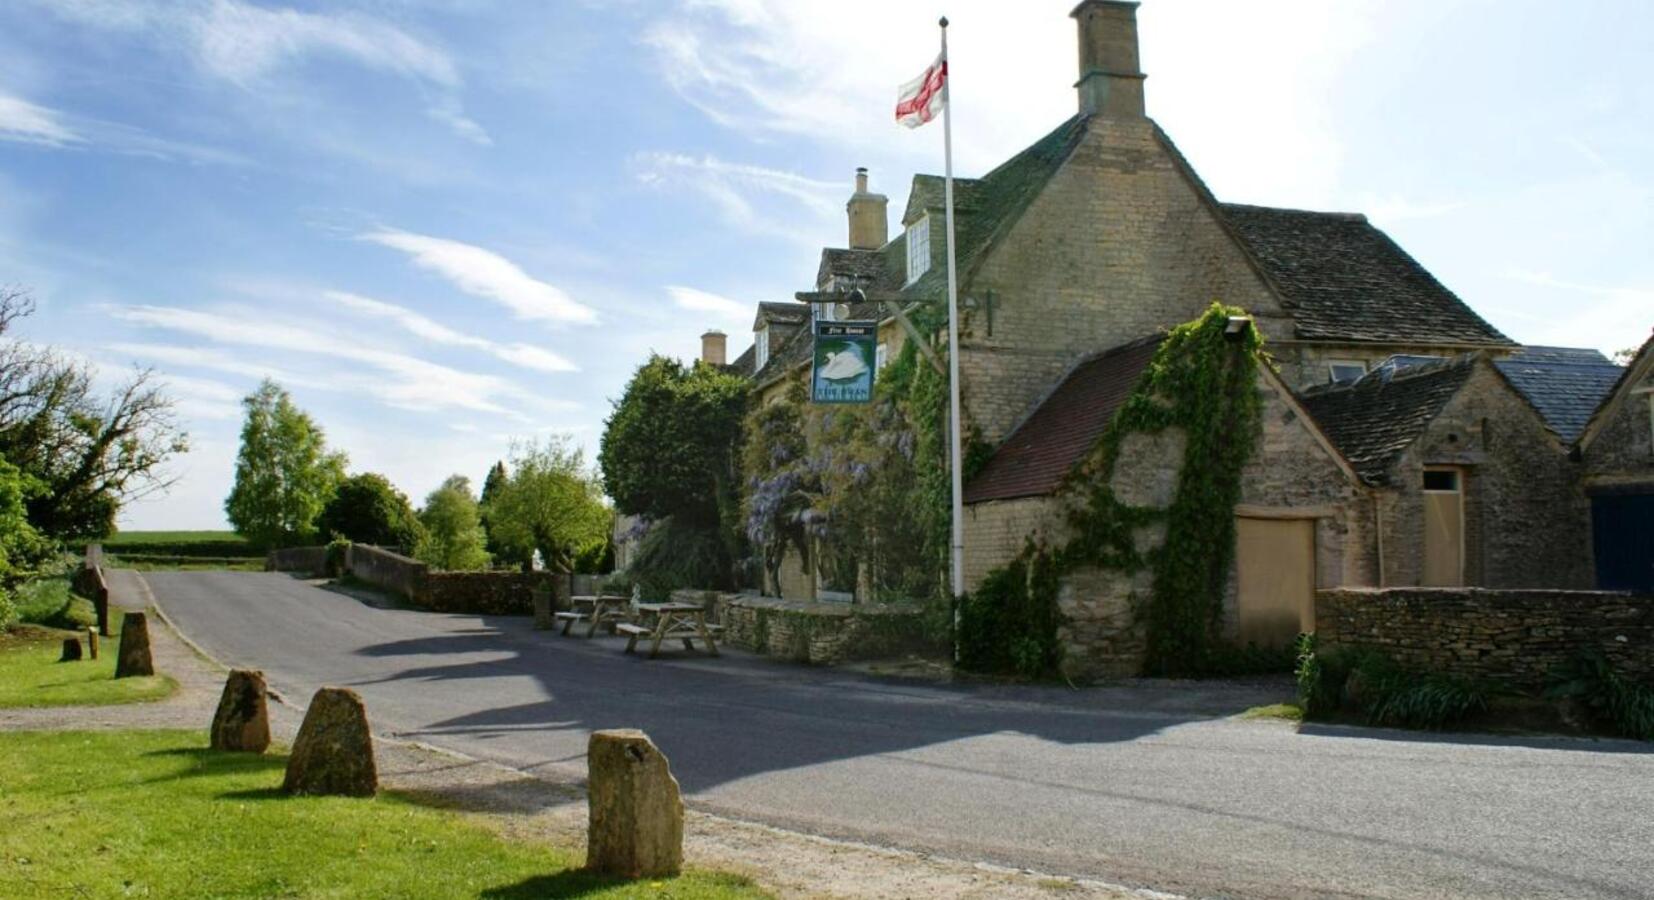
<point>714,347</point>
<point>1111,76</point>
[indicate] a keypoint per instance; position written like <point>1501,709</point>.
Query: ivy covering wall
<point>1201,381</point>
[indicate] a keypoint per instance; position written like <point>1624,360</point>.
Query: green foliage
<point>338,557</point>
<point>48,602</point>
<point>551,503</point>
<point>1009,624</point>
<point>1318,693</point>
<point>453,535</point>
<point>1369,682</point>
<point>284,473</point>
<point>676,555</point>
<point>22,549</point>
<point>1621,705</point>
<point>8,610</point>
<point>368,509</point>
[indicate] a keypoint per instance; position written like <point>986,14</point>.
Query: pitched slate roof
<point>1344,280</point>
<point>1641,364</point>
<point>863,265</point>
<point>1373,419</point>
<point>1564,384</point>
<point>1042,450</point>
<point>781,311</point>
<point>742,365</point>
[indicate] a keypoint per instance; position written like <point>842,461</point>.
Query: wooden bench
<point>632,632</point>
<point>568,619</point>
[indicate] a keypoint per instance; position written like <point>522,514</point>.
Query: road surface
<point>1146,786</point>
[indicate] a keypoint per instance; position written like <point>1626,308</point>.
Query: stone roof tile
<point>1564,384</point>
<point>1373,419</point>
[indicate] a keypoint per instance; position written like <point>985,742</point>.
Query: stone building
<point>1615,452</point>
<point>1076,253</point>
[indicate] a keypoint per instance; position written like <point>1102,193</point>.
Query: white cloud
<point>24,122</point>
<point>703,302</point>
<point>486,274</point>
<point>202,398</point>
<point>754,199</point>
<point>525,355</point>
<point>401,381</point>
<point>244,43</point>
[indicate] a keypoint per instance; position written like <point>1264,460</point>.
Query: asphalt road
<point>1146,786</point>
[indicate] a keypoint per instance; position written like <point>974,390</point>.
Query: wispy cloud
<point>244,43</point>
<point>400,380</point>
<point>527,356</point>
<point>700,301</point>
<point>1607,317</point>
<point>25,122</point>
<point>486,274</point>
<point>747,196</point>
<point>1389,210</point>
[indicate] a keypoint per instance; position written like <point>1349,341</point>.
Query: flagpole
<point>955,451</point>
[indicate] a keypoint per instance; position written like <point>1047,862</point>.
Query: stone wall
<point>1513,636</point>
<point>996,531</point>
<point>310,560</point>
<point>484,593</point>
<point>822,633</point>
<point>382,568</point>
<point>1622,450</point>
<point>1526,519</point>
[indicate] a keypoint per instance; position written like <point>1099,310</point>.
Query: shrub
<point>8,610</point>
<point>338,551</point>
<point>1370,682</point>
<point>1320,691</point>
<point>1623,706</point>
<point>1009,625</point>
<point>677,555</point>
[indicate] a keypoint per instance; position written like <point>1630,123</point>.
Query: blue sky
<point>449,224</point>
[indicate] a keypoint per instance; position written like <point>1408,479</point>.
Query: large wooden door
<point>1622,532</point>
<point>1275,568</point>
<point>1443,529</point>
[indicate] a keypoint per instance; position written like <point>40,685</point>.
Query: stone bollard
<point>133,657</point>
<point>636,813</point>
<point>242,723</point>
<point>92,641</point>
<point>71,650</point>
<point>333,753</point>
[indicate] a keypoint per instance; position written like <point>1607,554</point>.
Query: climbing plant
<point>1200,381</point>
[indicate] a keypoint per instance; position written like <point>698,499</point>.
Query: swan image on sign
<point>844,365</point>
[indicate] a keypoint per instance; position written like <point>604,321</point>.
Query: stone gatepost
<point>242,723</point>
<point>134,658</point>
<point>71,650</point>
<point>636,812</point>
<point>333,753</point>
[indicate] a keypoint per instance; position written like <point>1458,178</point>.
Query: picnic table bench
<point>679,621</point>
<point>601,609</point>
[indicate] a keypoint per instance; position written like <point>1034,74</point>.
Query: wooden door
<point>1622,533</point>
<point>1275,568</point>
<point>1443,529</point>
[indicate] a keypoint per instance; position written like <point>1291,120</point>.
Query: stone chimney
<point>714,346</point>
<point>1111,80</point>
<point>869,221</point>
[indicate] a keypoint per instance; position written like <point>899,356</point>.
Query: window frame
<point>1334,364</point>
<point>918,251</point>
<point>761,347</point>
<point>881,356</point>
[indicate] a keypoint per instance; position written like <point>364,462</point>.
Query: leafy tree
<point>368,509</point>
<point>86,453</point>
<point>284,474</point>
<point>550,502</point>
<point>671,446</point>
<point>454,538</point>
<point>21,547</point>
<point>491,485</point>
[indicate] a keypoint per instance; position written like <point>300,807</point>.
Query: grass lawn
<point>1289,710</point>
<point>175,537</point>
<point>30,674</point>
<point>156,814</point>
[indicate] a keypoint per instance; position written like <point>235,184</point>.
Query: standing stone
<point>242,723</point>
<point>133,658</point>
<point>636,825</point>
<point>334,751</point>
<point>92,641</point>
<point>71,650</point>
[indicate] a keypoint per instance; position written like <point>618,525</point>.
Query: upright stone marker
<point>636,825</point>
<point>134,658</point>
<point>71,650</point>
<point>242,723</point>
<point>92,641</point>
<point>334,750</point>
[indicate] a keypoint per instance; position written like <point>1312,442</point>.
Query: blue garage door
<point>1622,527</point>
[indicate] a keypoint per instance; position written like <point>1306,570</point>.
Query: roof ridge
<point>1298,210</point>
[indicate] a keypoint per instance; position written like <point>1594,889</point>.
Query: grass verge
<point>31,676</point>
<point>1292,712</point>
<point>154,813</point>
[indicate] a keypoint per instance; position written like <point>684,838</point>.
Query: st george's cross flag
<point>920,100</point>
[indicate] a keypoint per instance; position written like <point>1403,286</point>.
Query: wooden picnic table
<point>683,621</point>
<point>602,608</point>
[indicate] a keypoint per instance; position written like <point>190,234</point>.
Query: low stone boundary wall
<point>821,633</point>
<point>311,560</point>
<point>382,568</point>
<point>1517,637</point>
<point>486,593</point>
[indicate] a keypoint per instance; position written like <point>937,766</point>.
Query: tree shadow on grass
<point>580,883</point>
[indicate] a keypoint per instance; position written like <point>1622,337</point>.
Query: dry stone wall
<point>821,633</point>
<point>1517,637</point>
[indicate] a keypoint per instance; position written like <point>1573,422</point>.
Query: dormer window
<point>827,312</point>
<point>918,249</point>
<point>1343,371</point>
<point>761,347</point>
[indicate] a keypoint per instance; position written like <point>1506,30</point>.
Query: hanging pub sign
<point>844,358</point>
